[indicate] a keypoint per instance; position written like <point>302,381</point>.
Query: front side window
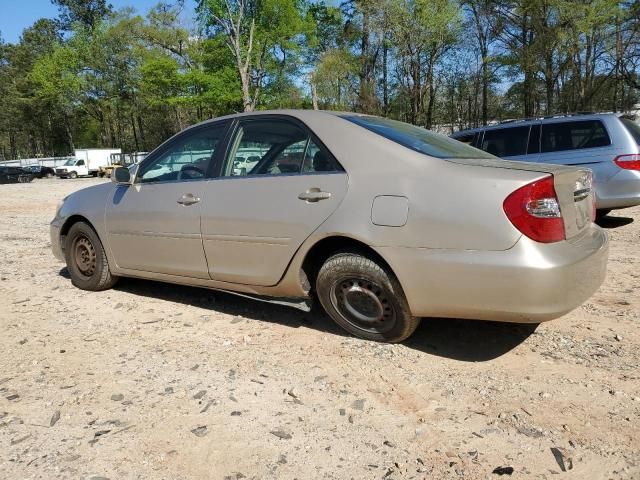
<point>275,147</point>
<point>80,163</point>
<point>187,158</point>
<point>506,142</point>
<point>573,135</point>
<point>417,138</point>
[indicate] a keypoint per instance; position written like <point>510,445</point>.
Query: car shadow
<point>613,222</point>
<point>468,340</point>
<point>463,340</point>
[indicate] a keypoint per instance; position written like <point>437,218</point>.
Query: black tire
<point>364,298</point>
<point>86,260</point>
<point>73,175</point>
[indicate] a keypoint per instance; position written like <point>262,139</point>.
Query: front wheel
<point>73,175</point>
<point>364,298</point>
<point>86,259</point>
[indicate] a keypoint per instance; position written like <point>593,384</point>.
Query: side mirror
<point>121,175</point>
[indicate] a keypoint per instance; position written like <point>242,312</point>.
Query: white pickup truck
<point>87,161</point>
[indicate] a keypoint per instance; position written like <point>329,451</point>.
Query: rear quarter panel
<point>451,205</point>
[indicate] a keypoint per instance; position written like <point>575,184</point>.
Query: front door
<point>277,186</point>
<point>154,224</point>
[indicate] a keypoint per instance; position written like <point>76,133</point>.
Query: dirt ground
<point>158,381</point>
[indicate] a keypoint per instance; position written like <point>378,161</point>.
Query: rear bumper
<point>621,190</point>
<point>529,283</point>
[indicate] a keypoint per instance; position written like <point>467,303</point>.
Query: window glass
<point>318,160</point>
<point>534,139</point>
<point>417,138</point>
<point>506,142</point>
<point>275,148</point>
<point>80,163</point>
<point>633,128</point>
<point>573,135</point>
<point>466,138</point>
<point>188,158</point>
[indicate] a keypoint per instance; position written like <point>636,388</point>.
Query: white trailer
<point>86,161</point>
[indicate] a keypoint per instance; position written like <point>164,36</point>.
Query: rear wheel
<point>86,259</point>
<point>364,298</point>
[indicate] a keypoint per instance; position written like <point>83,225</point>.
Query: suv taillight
<point>628,162</point>
<point>535,211</point>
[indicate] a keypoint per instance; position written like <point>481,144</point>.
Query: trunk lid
<point>573,186</point>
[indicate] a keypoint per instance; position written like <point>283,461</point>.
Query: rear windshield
<point>417,138</point>
<point>633,128</point>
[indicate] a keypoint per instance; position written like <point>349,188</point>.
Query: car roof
<point>296,113</point>
<point>575,117</point>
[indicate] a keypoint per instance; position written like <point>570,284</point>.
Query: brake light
<point>628,162</point>
<point>535,211</point>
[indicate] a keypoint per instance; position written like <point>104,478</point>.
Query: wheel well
<point>329,246</point>
<point>73,219</point>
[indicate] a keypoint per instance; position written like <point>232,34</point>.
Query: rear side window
<point>506,142</point>
<point>417,138</point>
<point>633,128</point>
<point>276,147</point>
<point>534,139</point>
<point>467,138</point>
<point>573,135</point>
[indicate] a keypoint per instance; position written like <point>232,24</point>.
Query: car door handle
<point>188,199</point>
<point>314,195</point>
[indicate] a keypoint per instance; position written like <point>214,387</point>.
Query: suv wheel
<point>364,298</point>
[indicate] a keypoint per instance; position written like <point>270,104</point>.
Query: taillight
<point>534,210</point>
<point>628,162</point>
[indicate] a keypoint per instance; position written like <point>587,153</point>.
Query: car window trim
<point>235,125</point>
<point>166,145</point>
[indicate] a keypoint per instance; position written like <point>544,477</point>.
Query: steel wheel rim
<point>85,256</point>
<point>363,304</point>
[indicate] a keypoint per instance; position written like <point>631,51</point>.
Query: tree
<point>87,13</point>
<point>257,33</point>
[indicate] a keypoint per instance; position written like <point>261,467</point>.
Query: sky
<point>16,15</point>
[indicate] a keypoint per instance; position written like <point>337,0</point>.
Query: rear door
<point>278,184</point>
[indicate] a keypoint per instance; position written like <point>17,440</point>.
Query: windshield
<point>70,162</point>
<point>417,138</point>
<point>633,128</point>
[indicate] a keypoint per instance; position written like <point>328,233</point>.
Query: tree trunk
<point>385,75</point>
<point>485,86</point>
<point>141,132</point>
<point>314,93</point>
<point>67,129</point>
